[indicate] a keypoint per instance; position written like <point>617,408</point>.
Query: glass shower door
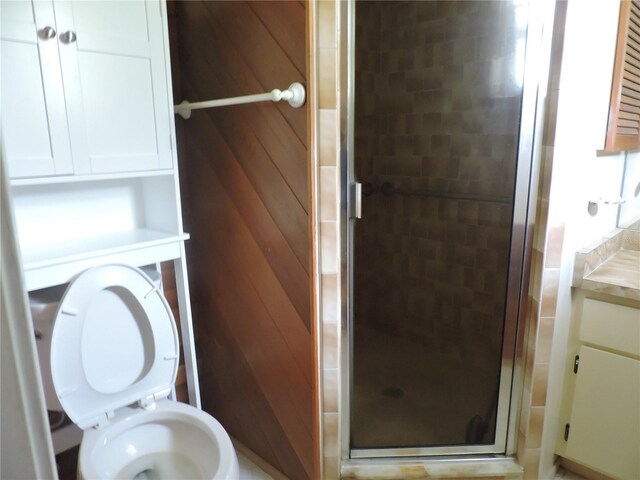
<point>436,253</point>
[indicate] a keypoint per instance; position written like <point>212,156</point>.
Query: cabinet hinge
<point>576,363</point>
<point>567,427</point>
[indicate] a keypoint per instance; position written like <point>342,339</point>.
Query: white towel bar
<point>295,95</point>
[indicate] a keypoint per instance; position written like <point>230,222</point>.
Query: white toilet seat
<point>114,343</point>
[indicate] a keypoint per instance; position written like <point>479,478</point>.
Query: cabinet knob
<point>68,37</point>
<point>47,33</point>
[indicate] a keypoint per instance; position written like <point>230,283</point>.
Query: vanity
<point>600,415</point>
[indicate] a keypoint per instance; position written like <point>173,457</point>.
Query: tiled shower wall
<point>326,45</point>
<point>572,173</point>
<point>437,94</point>
<point>540,305</point>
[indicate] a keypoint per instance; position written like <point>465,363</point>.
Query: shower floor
<point>408,395</point>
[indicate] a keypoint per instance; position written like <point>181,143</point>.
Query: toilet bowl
<point>114,359</point>
<point>172,441</point>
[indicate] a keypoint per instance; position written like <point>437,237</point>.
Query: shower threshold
<point>461,466</point>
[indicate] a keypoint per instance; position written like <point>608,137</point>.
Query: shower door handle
<point>355,200</point>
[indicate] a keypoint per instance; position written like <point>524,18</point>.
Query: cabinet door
<point>605,416</point>
<point>112,56</point>
<point>34,123</point>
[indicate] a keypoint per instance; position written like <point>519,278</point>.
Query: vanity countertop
<point>611,266</point>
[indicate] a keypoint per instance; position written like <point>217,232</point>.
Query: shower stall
<point>441,109</point>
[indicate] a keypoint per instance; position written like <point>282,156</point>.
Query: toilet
<point>113,361</point>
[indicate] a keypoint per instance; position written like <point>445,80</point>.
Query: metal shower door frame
<point>540,21</point>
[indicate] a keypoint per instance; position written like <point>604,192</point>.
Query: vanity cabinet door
<point>34,125</point>
<point>605,416</point>
<point>112,57</point>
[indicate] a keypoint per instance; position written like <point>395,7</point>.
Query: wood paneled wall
<point>246,202</point>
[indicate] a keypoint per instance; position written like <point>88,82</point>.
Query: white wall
<point>26,451</point>
<point>578,173</point>
<point>630,210</point>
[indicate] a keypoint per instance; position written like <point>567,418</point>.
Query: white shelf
<point>90,247</point>
<point>59,263</point>
<point>58,179</point>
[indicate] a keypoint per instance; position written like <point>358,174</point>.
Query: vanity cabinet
<point>600,419</point>
<point>84,87</point>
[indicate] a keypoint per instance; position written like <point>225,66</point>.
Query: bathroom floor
<point>250,471</point>
<point>68,460</point>
<point>563,474</point>
<point>406,394</point>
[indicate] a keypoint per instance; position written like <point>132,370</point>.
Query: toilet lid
<point>114,343</point>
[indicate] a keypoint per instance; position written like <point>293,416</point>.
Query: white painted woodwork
<point>68,222</point>
<point>23,182</point>
<point>116,86</point>
<point>95,105</point>
<point>35,134</point>
<point>612,326</point>
<point>188,337</point>
<point>26,448</point>
<point>601,402</point>
<point>87,129</point>
<point>139,254</point>
<point>605,415</point>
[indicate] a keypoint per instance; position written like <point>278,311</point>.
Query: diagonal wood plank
<point>207,80</point>
<point>285,21</point>
<point>245,183</point>
<point>290,272</point>
<point>267,180</point>
<point>243,308</point>
<point>249,259</point>
<point>252,426</point>
<point>261,53</point>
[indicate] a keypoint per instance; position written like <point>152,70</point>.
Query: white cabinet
<point>84,87</point>
<point>600,417</point>
<point>87,125</point>
<point>34,120</point>
<point>605,416</point>
<point>87,116</point>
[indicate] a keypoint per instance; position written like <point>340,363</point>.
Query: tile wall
<point>574,172</point>
<point>571,173</point>
<point>440,117</point>
<point>541,300</point>
<point>540,306</point>
<point>327,175</point>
